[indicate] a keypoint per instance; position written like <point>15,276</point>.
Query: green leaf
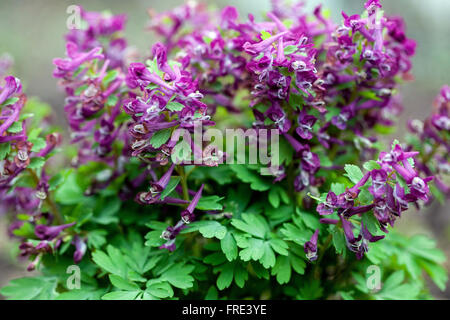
<point>370,222</point>
<point>121,283</point>
<point>215,259</point>
<point>290,49</point>
<point>371,95</point>
<point>212,294</point>
<point>393,289</point>
<point>154,239</point>
<point>297,264</point>
<point>96,238</point>
<point>282,270</point>
<point>240,275</point>
<point>107,210</point>
<point>110,76</point>
<point>26,230</point>
<point>10,101</point>
<point>253,178</point>
<point>310,290</point>
<point>229,247</point>
<point>265,35</point>
<point>425,247</point>
<point>36,163</point>
<point>371,165</point>
<point>309,219</point>
<point>173,182</point>
<point>160,137</point>
<point>69,191</point>
<point>5,149</point>
<point>38,144</point>
<point>226,276</point>
<point>112,262</point>
<point>209,229</point>
<point>337,188</point>
<point>112,101</point>
<point>16,127</point>
<point>138,256</point>
<point>354,173</point>
<point>274,197</point>
<point>338,240</point>
<point>279,246</point>
<point>252,224</point>
<point>179,276</point>
<point>221,174</point>
<point>81,294</point>
<point>381,129</point>
<point>254,250</point>
<point>268,258</point>
<point>174,106</point>
<point>210,203</point>
<point>31,288</point>
<point>34,133</point>
<point>295,234</point>
<point>160,290</point>
<point>122,295</point>
<point>437,273</point>
<point>58,179</point>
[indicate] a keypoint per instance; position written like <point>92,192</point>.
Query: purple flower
<point>303,180</point>
<point>12,86</point>
<point>357,210</point>
<point>441,122</point>
<point>44,232</point>
<point>396,155</point>
<point>156,188</point>
<point>419,187</point>
<point>379,179</point>
<point>80,249</point>
<point>256,48</point>
<point>310,161</point>
<point>329,205</point>
<point>228,17</point>
<point>65,67</point>
<point>342,118</point>
<point>365,236</point>
<point>348,232</point>
<point>305,125</point>
<point>310,247</point>
<point>170,235</point>
<point>187,216</point>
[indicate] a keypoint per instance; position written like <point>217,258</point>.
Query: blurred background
<point>32,33</point>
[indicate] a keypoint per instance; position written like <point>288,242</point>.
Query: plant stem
<point>184,183</point>
<point>48,199</point>
<point>322,251</point>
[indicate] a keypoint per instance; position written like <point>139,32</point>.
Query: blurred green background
<point>32,32</point>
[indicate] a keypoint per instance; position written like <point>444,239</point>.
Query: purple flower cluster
<point>392,187</point>
<point>92,75</point>
<point>18,152</point>
<point>102,30</point>
<point>308,78</point>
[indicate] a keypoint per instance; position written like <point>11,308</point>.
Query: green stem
<point>322,251</point>
<point>184,183</point>
<point>48,199</point>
